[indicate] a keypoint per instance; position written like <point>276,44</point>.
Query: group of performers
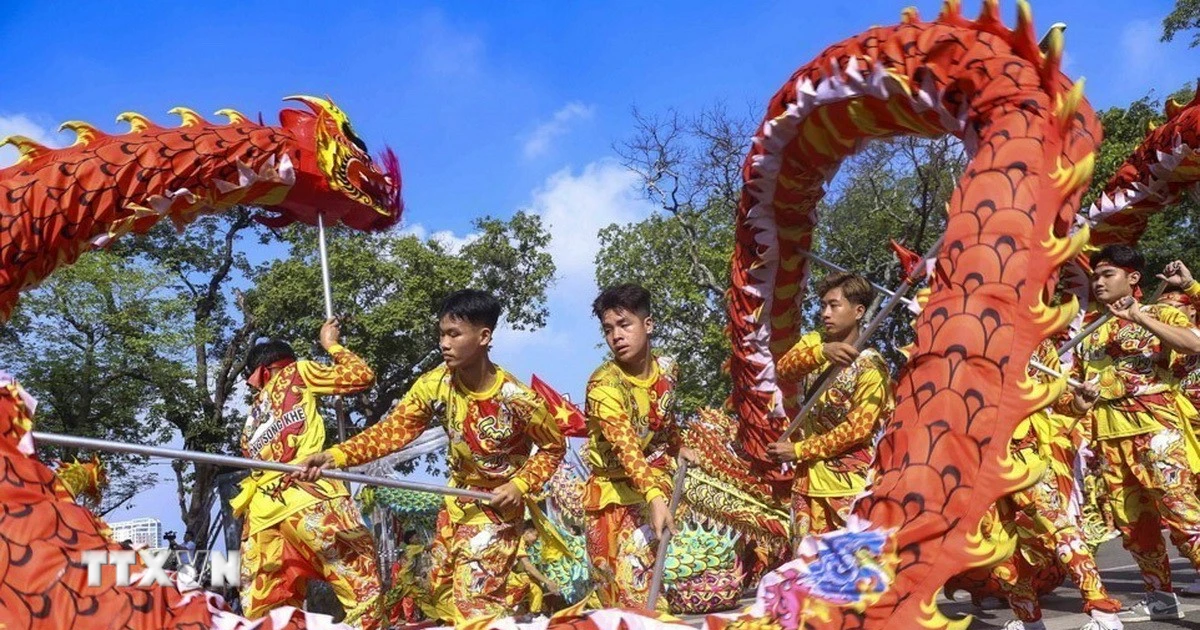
<point>1131,408</point>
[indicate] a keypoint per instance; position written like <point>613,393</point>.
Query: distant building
<point>142,531</point>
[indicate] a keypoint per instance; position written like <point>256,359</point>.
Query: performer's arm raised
<point>348,375</point>
<point>871,401</point>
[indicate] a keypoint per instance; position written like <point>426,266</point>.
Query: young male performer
<point>295,529</point>
<point>1141,424</point>
<point>1048,531</point>
<point>835,444</point>
<point>632,440</point>
<point>494,423</point>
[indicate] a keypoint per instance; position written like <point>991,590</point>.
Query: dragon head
<point>335,175</point>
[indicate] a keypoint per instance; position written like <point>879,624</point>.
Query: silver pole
<point>826,379</point>
<point>660,560</point>
<point>824,262</point>
<point>253,464</point>
<point>324,254</point>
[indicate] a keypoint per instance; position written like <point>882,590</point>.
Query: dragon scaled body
<point>58,203</point>
<point>942,461</point>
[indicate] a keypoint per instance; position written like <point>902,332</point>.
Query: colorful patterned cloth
<point>632,438</point>
<point>326,540</point>
<point>835,444</point>
<point>284,426</point>
<point>492,435</point>
<point>472,564</point>
<point>632,435</point>
<point>621,546</point>
<point>1143,428</point>
<point>492,438</point>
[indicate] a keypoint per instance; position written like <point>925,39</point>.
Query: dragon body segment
<point>943,460</point>
<point>59,203</point>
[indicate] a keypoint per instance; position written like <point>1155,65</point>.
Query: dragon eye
<point>349,133</point>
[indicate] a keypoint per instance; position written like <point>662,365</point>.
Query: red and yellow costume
<point>836,441</point>
<point>632,439</point>
<point>295,530</point>
<point>1048,529</point>
<point>492,438</point>
<point>1142,427</point>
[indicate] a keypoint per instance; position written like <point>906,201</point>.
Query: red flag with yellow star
<point>569,418</point>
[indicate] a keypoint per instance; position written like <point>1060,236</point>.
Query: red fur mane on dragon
<point>943,458</point>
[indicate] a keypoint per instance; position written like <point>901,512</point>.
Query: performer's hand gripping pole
<point>826,378</point>
<point>253,464</point>
<point>660,559</point>
<point>1102,320</point>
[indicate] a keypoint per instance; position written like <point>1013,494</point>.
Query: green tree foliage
<point>203,265</point>
<point>85,344</point>
<point>387,290</point>
<point>1171,234</point>
<point>690,167</point>
<point>1185,16</point>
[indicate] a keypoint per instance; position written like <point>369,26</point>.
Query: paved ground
<point>1123,580</point>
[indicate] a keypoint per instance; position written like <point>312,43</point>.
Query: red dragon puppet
<point>57,204</point>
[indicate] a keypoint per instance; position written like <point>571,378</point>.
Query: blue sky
<point>492,107</point>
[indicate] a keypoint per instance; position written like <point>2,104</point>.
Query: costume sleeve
<point>348,375</point>
<point>1193,290</point>
<point>609,407</point>
<point>806,356</point>
<point>872,399</point>
<point>673,433</point>
<point>402,425</point>
<point>551,446</point>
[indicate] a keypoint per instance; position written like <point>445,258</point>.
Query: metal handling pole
<point>253,464</point>
<point>826,378</point>
<point>660,560</point>
<point>323,253</point>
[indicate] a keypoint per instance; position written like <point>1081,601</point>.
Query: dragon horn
<point>235,117</point>
<point>189,116</point>
<point>85,133</point>
<point>29,149</point>
<point>317,104</point>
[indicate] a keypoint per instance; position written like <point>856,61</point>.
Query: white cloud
<point>22,125</point>
<point>451,241</point>
<point>538,142</point>
<point>575,207</point>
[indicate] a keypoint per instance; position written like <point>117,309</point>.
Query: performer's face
<point>839,314</point>
<point>462,342</point>
<point>1111,283</point>
<point>627,335</point>
<point>1179,301</point>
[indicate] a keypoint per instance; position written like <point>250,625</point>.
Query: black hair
<point>1120,256</point>
<point>628,296</point>
<point>472,306</point>
<point>268,352</point>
